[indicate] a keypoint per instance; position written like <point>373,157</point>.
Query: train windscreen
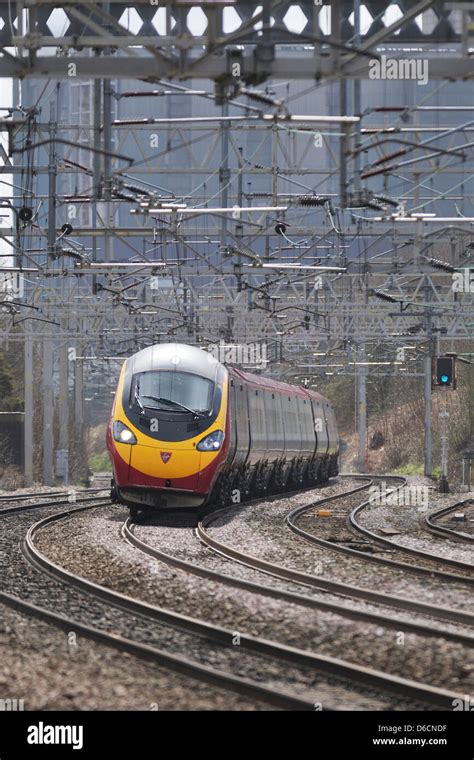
<point>172,391</point>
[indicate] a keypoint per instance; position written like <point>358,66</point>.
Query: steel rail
<point>325,584</point>
<point>19,509</point>
<point>356,675</point>
<point>443,530</point>
<point>45,494</point>
<point>160,657</point>
<point>292,517</point>
<point>422,629</point>
<point>419,553</point>
<point>179,663</point>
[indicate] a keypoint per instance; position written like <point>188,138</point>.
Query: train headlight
<point>211,442</point>
<point>122,433</point>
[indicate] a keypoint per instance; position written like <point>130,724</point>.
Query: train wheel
<point>222,496</point>
<point>323,473</point>
<point>114,497</point>
<point>299,477</point>
<point>241,485</point>
<point>278,479</point>
<point>260,482</point>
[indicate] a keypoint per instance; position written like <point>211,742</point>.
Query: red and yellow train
<point>186,430</point>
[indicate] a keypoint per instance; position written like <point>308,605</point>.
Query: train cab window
<point>172,391</point>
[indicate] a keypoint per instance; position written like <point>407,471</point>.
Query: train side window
<point>257,421</point>
<point>234,417</point>
<point>242,421</point>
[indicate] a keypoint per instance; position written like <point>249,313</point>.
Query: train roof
<point>175,356</point>
<point>259,381</point>
<point>185,358</point>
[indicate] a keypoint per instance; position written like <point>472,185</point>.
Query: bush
<point>416,469</point>
<point>99,462</point>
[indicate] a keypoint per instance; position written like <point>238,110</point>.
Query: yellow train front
<point>167,433</point>
<point>186,430</point>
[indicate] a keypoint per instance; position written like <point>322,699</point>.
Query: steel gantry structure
<point>323,215</point>
<point>185,40</point>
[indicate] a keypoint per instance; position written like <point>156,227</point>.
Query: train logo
<point>165,456</point>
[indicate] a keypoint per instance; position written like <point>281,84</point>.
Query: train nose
<point>165,465</point>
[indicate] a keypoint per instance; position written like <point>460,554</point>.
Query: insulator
<point>374,172</point>
<point>384,296</point>
<point>390,156</point>
<point>136,189</point>
<point>261,97</point>
<point>437,264</point>
<point>312,200</point>
<point>125,196</point>
<point>386,199</point>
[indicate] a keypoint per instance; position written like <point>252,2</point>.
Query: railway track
<point>159,657</point>
<point>347,524</point>
<point>79,499</point>
<point>34,495</point>
<point>424,629</point>
<point>340,672</point>
<point>468,569</point>
<point>431,523</point>
<point>343,525</point>
<point>228,681</point>
<point>47,494</point>
<point>325,584</point>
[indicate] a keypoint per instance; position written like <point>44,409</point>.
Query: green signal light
<point>444,378</point>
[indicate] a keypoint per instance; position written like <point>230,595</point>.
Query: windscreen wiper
<point>137,398</point>
<point>184,408</point>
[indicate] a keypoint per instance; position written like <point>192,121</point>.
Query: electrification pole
<point>224,172</point>
<point>64,410</point>
<point>48,416</point>
<point>52,172</point>
<point>444,417</point>
<point>428,362</point>
<point>28,408</point>
<point>362,410</point>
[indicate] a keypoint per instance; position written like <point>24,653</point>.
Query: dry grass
<point>398,435</point>
<point>11,478</point>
